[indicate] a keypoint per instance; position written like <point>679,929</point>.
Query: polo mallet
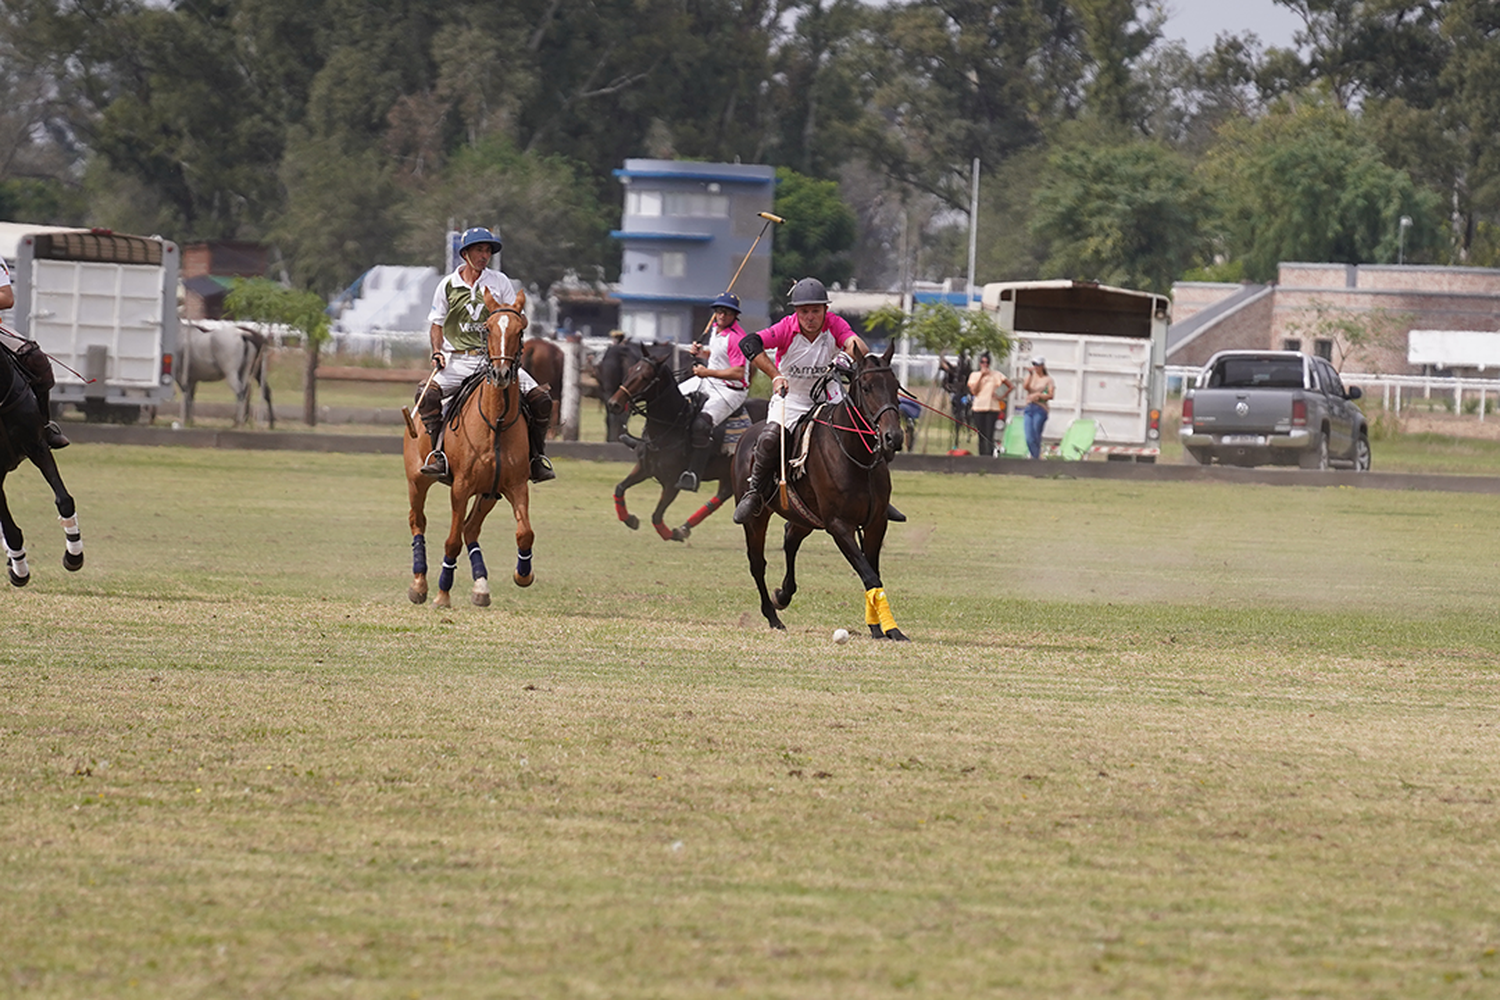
<point>708,328</point>
<point>782,436</point>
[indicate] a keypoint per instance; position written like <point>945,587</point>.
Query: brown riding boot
<point>762,474</point>
<point>539,403</point>
<point>430,409</point>
<point>51,433</point>
<point>39,369</point>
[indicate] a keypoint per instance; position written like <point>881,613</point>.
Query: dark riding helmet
<point>476,236</point>
<point>726,300</point>
<point>809,292</point>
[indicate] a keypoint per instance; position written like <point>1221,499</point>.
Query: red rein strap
<point>864,432</point>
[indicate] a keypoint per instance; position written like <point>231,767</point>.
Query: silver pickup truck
<point>1274,408</point>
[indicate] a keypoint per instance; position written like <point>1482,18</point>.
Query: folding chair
<point>1077,440</point>
<point>1013,441</point>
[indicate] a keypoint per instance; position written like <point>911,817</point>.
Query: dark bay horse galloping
<point>845,489</point>
<point>650,385</point>
<point>21,438</point>
<point>489,456</point>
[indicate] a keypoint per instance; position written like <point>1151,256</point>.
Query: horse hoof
<point>776,624</point>
<point>443,600</point>
<point>876,632</point>
<point>632,522</point>
<point>896,636</point>
<point>524,581</point>
<point>782,600</point>
<point>416,596</point>
<point>18,581</point>
<point>681,534</point>
<point>72,563</point>
<point>481,600</point>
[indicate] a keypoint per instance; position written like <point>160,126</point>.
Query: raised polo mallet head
<point>770,218</point>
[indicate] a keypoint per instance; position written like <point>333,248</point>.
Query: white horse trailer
<point>1105,348</point>
<point>104,306</point>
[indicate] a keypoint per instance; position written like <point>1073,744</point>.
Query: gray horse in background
<point>234,353</point>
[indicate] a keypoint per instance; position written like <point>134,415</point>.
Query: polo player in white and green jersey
<point>459,348</point>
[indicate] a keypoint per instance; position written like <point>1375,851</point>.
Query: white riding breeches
<point>720,400</point>
<point>461,366</point>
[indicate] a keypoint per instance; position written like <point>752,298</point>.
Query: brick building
<point>208,270</point>
<point>1303,311</point>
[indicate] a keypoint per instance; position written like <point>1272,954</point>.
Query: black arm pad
<point>751,346</point>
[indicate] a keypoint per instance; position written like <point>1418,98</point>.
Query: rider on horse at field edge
<point>460,348</point>
<point>807,343</point>
<point>722,376</point>
<point>33,361</point>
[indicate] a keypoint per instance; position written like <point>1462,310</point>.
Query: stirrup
<point>541,469</point>
<point>630,441</point>
<point>437,465</point>
<point>688,481</point>
<point>54,436</point>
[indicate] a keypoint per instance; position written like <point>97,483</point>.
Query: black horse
<point>650,386</point>
<point>21,438</point>
<point>844,488</point>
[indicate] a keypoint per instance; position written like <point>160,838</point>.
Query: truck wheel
<point>1362,454</point>
<point>1316,457</point>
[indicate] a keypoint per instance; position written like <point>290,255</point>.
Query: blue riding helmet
<point>726,300</point>
<point>476,236</point>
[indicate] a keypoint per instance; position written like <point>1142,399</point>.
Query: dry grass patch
<point>270,775</point>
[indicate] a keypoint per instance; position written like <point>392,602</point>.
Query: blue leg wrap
<point>476,562</point>
<point>523,562</point>
<point>445,578</point>
<point>418,554</point>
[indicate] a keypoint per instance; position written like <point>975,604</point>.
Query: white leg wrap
<point>75,539</point>
<point>17,562</point>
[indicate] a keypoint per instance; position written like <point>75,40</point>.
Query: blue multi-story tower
<point>687,226</point>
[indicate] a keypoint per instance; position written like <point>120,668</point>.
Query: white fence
<point>1393,388</point>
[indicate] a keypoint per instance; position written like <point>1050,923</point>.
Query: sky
<point>1197,22</point>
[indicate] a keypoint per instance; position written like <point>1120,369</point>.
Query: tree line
<point>349,132</point>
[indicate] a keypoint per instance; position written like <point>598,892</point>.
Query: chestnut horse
<point>21,438</point>
<point>845,489</point>
<point>650,386</point>
<point>488,457</point>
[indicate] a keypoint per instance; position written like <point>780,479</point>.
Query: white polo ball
<point>840,635</point>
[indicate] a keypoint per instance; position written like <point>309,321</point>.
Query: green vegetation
<point>1142,743</point>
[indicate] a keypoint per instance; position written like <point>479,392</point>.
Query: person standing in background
<point>989,390</point>
<point>1039,389</point>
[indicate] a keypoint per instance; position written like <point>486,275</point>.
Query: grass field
<point>1150,740</point>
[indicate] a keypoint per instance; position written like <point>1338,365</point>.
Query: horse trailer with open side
<point>1106,349</point>
<point>104,306</point>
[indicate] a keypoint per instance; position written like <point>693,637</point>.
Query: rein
<point>860,425</point>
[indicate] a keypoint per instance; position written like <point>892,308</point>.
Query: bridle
<point>863,426</point>
<point>503,367</point>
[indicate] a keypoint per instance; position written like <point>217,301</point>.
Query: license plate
<point>1244,439</point>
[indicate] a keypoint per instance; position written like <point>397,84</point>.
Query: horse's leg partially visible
<point>472,524</point>
<point>520,503</point>
<point>637,475</point>
<point>416,491</point>
<point>792,541</point>
<point>451,547</point>
<point>755,548</point>
<point>669,493</point>
<point>878,616</point>
<point>713,503</point>
<point>15,543</point>
<point>66,512</point>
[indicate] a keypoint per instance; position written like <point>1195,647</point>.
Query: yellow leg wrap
<point>883,609</point>
<point>872,616</point>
